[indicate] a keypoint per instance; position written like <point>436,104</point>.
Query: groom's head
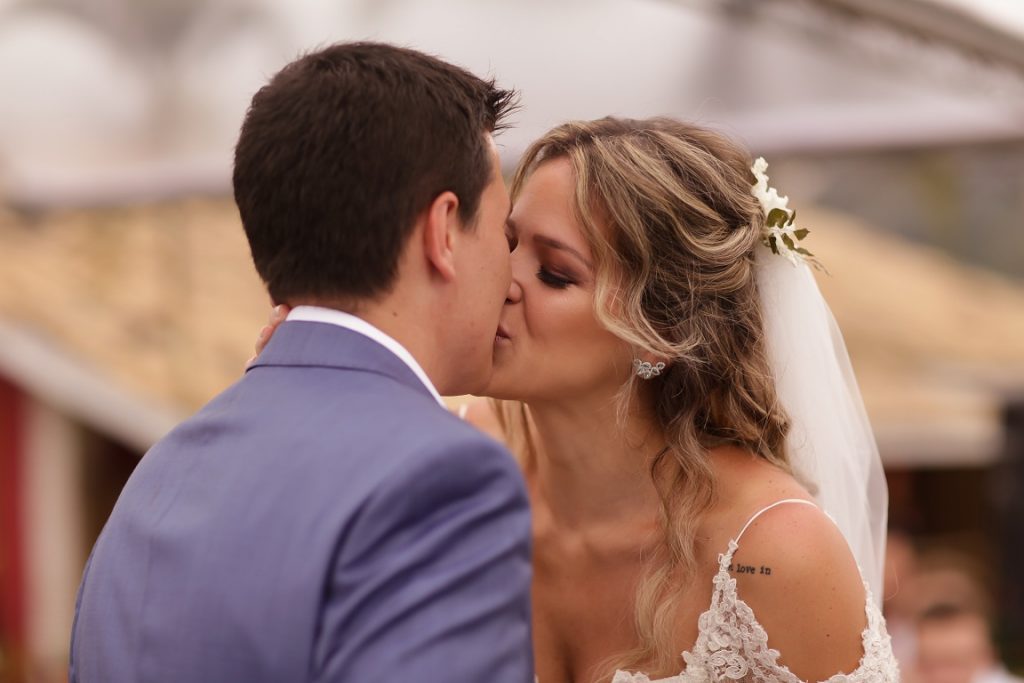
<point>364,167</point>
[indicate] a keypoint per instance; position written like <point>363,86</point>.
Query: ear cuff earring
<point>647,370</point>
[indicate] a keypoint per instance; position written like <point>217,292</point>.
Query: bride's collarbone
<point>597,543</point>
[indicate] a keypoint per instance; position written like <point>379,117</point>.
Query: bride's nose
<point>515,291</point>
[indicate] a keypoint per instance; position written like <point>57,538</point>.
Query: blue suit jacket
<point>321,520</point>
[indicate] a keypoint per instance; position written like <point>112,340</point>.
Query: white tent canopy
<point>114,100</point>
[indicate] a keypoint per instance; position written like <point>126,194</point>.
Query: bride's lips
<point>501,334</point>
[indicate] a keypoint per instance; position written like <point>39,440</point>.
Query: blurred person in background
<point>899,604</point>
<point>954,645</point>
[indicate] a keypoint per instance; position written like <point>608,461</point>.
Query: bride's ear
<point>440,231</point>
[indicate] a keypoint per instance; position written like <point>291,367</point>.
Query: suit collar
<point>317,344</point>
<point>356,324</point>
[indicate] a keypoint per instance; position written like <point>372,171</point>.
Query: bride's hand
<point>277,316</point>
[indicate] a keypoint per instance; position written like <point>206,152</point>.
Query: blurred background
<point>127,298</point>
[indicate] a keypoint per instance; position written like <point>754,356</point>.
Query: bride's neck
<point>593,465</point>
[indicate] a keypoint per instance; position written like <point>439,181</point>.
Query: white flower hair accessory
<point>780,232</point>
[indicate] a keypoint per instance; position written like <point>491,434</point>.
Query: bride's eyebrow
<point>562,246</point>
<point>550,242</point>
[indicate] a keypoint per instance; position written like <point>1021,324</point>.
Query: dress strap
<point>766,509</point>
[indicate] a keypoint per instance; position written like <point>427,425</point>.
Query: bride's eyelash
<point>552,280</point>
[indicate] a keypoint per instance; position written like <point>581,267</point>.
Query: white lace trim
<point>732,646</point>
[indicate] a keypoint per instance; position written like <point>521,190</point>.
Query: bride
<point>693,443</point>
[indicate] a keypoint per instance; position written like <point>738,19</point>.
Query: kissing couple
<point>672,478</point>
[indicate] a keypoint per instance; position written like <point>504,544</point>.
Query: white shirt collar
<point>317,314</point>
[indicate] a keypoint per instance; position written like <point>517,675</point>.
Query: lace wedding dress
<point>732,646</point>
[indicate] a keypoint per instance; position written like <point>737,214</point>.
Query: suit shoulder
<point>456,475</point>
<point>463,452</point>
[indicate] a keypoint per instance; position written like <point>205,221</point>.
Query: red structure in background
<point>12,579</point>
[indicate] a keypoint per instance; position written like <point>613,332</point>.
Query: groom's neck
<point>411,327</point>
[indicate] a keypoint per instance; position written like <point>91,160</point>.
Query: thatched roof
<point>161,302</point>
<point>155,309</point>
<point>937,345</point>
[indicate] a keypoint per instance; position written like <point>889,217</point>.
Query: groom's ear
<point>441,227</point>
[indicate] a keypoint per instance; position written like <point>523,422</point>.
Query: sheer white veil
<point>830,445</point>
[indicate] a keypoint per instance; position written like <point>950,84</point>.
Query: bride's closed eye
<point>553,280</point>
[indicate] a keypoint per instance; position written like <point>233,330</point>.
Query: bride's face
<point>550,346</point>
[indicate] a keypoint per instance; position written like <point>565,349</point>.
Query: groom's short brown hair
<point>340,152</point>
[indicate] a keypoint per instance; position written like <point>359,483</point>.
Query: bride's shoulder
<point>802,540</point>
<point>795,570</point>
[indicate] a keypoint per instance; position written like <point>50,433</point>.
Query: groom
<point>325,518</point>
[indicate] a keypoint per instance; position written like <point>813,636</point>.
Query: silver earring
<point>646,370</point>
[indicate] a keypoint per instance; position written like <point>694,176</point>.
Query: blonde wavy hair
<point>667,210</point>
